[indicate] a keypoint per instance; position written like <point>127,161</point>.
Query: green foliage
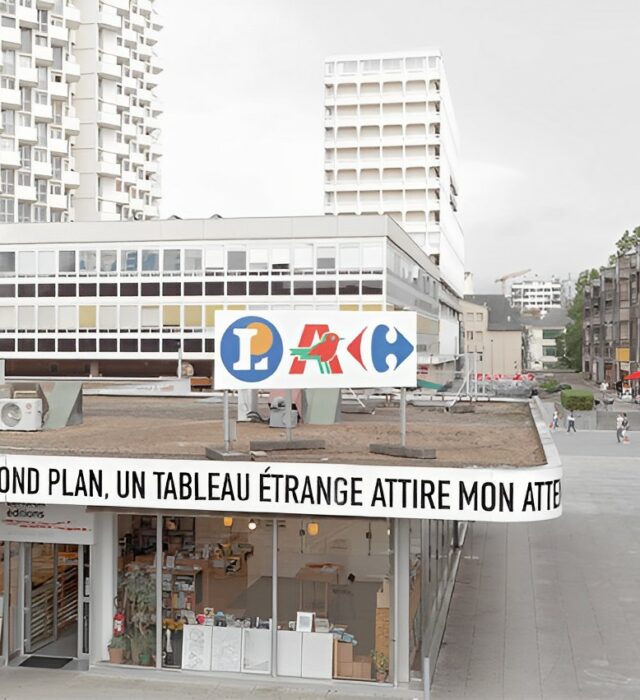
<point>625,244</point>
<point>120,642</point>
<point>549,384</point>
<point>569,345</point>
<point>577,399</point>
<point>140,611</point>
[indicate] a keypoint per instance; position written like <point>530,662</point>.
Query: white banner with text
<point>490,494</point>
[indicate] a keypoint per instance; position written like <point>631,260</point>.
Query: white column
<point>103,585</point>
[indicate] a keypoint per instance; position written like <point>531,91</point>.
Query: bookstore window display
<point>334,577</point>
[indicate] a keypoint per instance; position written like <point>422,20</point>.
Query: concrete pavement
<point>552,610</point>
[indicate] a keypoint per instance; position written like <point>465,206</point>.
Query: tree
<point>625,244</point>
<point>569,344</point>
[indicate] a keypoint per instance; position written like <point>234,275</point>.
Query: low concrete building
<point>540,336</point>
<point>493,332</point>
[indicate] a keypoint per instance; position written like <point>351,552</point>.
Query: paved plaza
<point>552,610</point>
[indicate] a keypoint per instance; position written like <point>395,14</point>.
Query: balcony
<point>27,16</point>
<point>130,37</point>
<point>150,211</point>
<point>152,36</point>
<point>137,20</point>
<point>70,178</point>
<point>136,203</point>
<point>129,177</point>
<point>43,55</point>
<point>42,113</point>
<point>58,201</point>
<point>137,66</point>
<point>45,4</point>
<point>10,159</point>
<point>58,147</point>
<point>59,35</point>
<point>71,71</point>
<point>26,193</point>
<point>129,84</point>
<point>121,5</point>
<point>10,98</point>
<point>111,71</point>
<point>118,197</point>
<point>145,7</point>
<point>145,96</point>
<point>27,134</point>
<point>10,37</point>
<point>71,125</point>
<point>41,169</point>
<point>123,54</point>
<point>27,76</point>
<point>72,17</point>
<point>109,19</point>
<point>152,166</point>
<point>109,169</point>
<point>128,130</point>
<point>59,90</point>
<point>122,101</point>
<point>120,149</point>
<point>110,120</point>
<point>137,158</point>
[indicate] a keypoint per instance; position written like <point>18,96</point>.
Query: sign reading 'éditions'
<point>507,495</point>
<point>315,349</point>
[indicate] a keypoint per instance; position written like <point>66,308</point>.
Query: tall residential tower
<point>391,147</point>
<point>79,123</point>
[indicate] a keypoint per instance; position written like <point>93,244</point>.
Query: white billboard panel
<point>315,349</point>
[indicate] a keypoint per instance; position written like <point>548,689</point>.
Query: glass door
<point>10,601</point>
<point>51,599</point>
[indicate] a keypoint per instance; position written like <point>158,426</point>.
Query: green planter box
<point>577,399</point>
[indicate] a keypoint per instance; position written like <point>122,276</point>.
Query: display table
<point>226,652</point>
<point>305,654</point>
<point>256,651</point>
<point>327,574</point>
<point>196,647</point>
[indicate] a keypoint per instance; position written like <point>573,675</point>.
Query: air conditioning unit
<point>20,414</point>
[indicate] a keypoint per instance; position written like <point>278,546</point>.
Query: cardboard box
<point>345,670</point>
<point>344,652</point>
<point>362,667</point>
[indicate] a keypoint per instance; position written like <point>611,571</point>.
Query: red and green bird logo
<point>322,352</point>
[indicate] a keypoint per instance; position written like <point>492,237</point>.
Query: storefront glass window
<point>333,598</point>
<point>415,598</point>
<point>136,598</point>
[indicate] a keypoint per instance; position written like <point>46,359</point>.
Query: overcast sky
<point>546,95</point>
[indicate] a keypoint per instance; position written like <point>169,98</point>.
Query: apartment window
<point>7,181</point>
<point>128,345</point>
<point>9,122</point>
<point>9,62</point>
<point>214,289</point>
<point>46,290</point>
<point>128,289</point>
<point>326,258</point>
<point>56,165</point>
<point>24,212</point>
<point>7,260</point>
<point>43,78</point>
<point>171,289</point>
<point>57,58</point>
<point>25,156</point>
<point>43,20</point>
<point>25,99</point>
<point>150,260</point>
<point>129,261</point>
<point>109,289</point>
<point>349,287</point>
<point>303,288</point>
<point>56,216</point>
<point>326,287</point>
<point>41,190</point>
<point>108,260</point>
<point>236,288</point>
<point>258,288</point>
<point>149,289</point>
<point>372,286</point>
<point>193,289</point>
<point>236,260</point>
<point>7,291</point>
<point>41,130</point>
<point>67,261</point>
<point>24,179</point>
<point>303,258</point>
<point>371,66</point>
<point>57,108</point>
<point>193,260</point>
<point>26,41</point>
<point>87,261</point>
<point>347,67</point>
<point>479,316</point>
<point>24,119</point>
<point>171,260</point>
<point>416,63</point>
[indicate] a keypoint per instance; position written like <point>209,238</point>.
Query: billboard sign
<point>315,349</point>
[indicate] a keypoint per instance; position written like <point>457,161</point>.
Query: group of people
<point>555,421</point>
<point>622,425</point>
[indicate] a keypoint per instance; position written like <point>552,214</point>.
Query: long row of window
<point>128,345</point>
<point>210,289</point>
<point>237,259</point>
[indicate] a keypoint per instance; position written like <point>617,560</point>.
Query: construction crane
<point>509,276</point>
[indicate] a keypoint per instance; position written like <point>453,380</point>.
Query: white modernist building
<point>537,294</point>
<point>79,123</point>
<point>391,147</point>
<point>127,297</point>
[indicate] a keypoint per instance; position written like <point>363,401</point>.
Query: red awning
<point>633,375</point>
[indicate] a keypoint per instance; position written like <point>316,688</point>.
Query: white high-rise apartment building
<point>391,147</point>
<point>537,294</point>
<point>79,123</point>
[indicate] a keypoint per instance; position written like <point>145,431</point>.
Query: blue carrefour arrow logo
<point>381,348</point>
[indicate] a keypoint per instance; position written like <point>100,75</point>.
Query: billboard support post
<point>225,410</point>
<point>287,409</point>
<point>403,416</point>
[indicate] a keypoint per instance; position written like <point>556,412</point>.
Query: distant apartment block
<point>611,347</point>
<point>540,295</point>
<point>391,147</point>
<point>79,119</point>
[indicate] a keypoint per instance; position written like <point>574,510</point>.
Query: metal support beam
<point>274,599</point>
<point>403,416</point>
<point>227,430</point>
<point>159,563</point>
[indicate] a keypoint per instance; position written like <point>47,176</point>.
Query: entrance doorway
<point>46,604</point>
<point>51,599</point>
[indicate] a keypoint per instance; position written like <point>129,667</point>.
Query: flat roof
<point>493,434</point>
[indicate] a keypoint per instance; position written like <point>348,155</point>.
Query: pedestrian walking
<point>571,423</point>
<point>555,421</point>
<point>625,429</point>
<point>619,421</point>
